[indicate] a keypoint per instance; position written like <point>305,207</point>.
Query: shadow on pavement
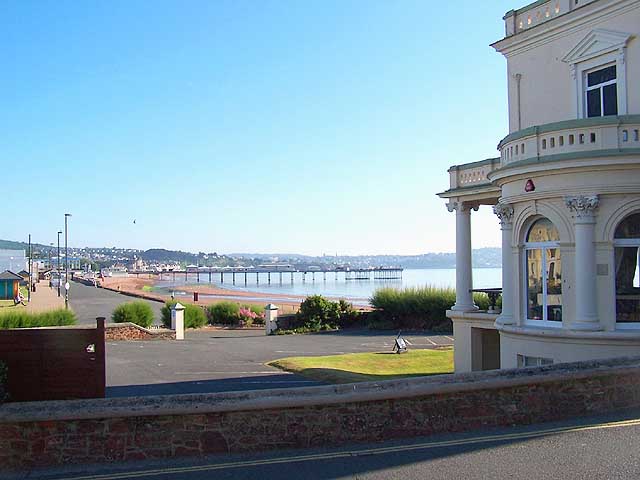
<point>257,382</point>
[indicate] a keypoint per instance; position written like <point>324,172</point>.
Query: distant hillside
<point>482,258</point>
<point>10,245</point>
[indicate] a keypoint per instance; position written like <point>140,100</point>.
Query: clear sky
<point>308,126</point>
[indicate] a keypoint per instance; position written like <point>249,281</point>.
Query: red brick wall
<point>455,404</point>
<point>128,331</point>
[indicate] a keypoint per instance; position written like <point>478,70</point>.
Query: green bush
<point>138,312</point>
<point>194,316</point>
<point>258,310</point>
<point>419,308</point>
<point>23,319</point>
<point>316,313</point>
<point>226,313</point>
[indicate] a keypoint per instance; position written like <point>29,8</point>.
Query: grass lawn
<point>365,367</point>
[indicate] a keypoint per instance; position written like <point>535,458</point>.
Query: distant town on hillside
<point>157,258</point>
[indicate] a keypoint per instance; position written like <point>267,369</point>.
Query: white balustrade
<point>571,140</point>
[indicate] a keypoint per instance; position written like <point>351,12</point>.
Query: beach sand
<point>287,304</point>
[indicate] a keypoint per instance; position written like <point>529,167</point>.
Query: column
<point>464,275</point>
<point>504,211</point>
<point>583,208</point>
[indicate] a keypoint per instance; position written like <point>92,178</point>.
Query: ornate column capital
<point>504,211</point>
<point>462,207</point>
<point>583,206</point>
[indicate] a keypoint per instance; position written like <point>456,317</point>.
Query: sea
<point>330,285</point>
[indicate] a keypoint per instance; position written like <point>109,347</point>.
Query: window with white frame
<point>600,79</point>
<point>529,361</point>
<point>601,95</point>
<point>543,279</point>
<point>627,270</point>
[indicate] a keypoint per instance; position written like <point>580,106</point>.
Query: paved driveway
<point>212,360</point>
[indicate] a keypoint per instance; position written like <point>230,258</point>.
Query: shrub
<point>258,311</point>
<point>194,316</point>
<point>138,312</point>
<point>23,319</point>
<point>316,313</point>
<point>226,313</point>
<point>249,316</point>
<point>420,308</point>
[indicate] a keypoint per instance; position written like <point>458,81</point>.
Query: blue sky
<point>263,126</point>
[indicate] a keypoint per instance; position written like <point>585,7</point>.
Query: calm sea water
<point>357,291</point>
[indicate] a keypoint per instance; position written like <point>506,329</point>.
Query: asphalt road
<point>90,302</point>
<point>592,448</point>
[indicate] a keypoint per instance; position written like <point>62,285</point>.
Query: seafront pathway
<point>45,298</point>
<point>90,302</point>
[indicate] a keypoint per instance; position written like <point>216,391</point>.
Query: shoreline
<point>208,294</point>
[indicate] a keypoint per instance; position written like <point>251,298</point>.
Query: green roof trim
<point>569,124</point>
<point>479,163</point>
<point>570,156</point>
<point>469,189</point>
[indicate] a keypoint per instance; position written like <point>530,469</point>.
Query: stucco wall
<point>559,349</point>
<point>546,85</point>
<point>617,186</point>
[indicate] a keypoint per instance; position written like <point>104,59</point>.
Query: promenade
<point>45,298</point>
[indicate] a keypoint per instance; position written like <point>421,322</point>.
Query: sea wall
<point>107,430</point>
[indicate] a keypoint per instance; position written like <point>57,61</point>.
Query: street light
<point>66,262</point>
<point>59,278</point>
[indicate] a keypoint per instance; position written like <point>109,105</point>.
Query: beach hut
<point>9,284</point>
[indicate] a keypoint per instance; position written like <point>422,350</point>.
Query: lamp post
<point>66,262</point>
<point>30,284</point>
<point>58,262</point>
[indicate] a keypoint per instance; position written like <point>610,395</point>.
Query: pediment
<point>597,42</point>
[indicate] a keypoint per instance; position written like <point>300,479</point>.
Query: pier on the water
<point>253,275</point>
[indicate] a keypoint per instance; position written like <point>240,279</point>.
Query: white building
<point>566,189</point>
<point>13,260</point>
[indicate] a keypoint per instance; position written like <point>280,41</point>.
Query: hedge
<point>226,313</point>
<point>23,319</point>
<point>138,312</point>
<point>194,316</point>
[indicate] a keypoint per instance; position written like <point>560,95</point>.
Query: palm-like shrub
<point>138,312</point>
<point>420,307</point>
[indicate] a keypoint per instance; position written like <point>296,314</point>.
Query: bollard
<point>177,320</point>
<point>270,318</point>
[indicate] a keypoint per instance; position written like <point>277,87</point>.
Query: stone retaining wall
<point>106,430</point>
<point>131,331</point>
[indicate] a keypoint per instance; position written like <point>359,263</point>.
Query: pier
<point>256,275</point>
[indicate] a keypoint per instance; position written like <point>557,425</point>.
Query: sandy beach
<point>208,293</point>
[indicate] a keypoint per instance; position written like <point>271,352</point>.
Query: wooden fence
<point>54,363</point>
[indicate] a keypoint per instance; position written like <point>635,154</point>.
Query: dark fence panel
<point>54,363</point>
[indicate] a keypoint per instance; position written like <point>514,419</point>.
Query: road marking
<point>369,451</point>
<point>271,372</point>
<point>431,341</point>
<point>450,338</point>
